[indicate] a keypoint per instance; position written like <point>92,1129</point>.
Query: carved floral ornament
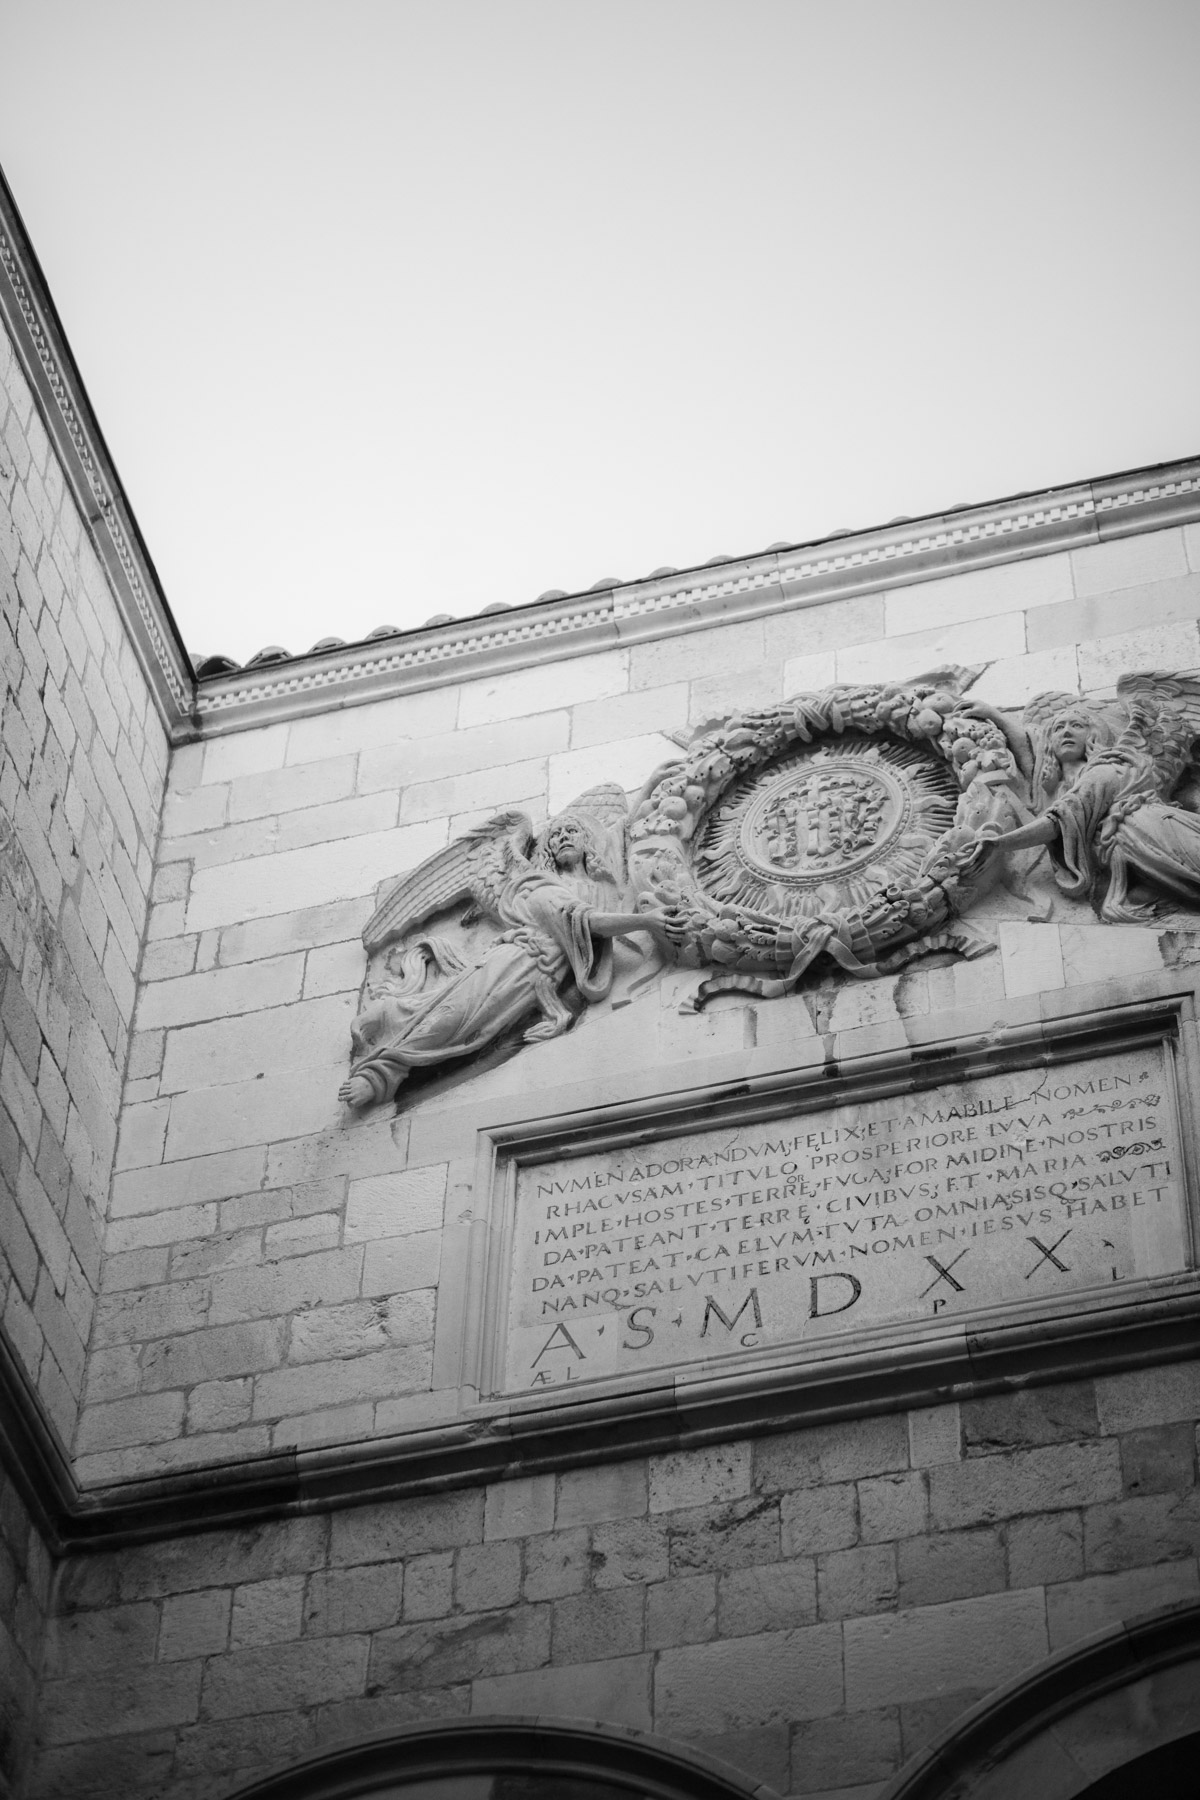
<point>856,824</point>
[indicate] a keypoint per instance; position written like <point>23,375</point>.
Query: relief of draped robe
<point>458,1013</point>
<point>550,895</point>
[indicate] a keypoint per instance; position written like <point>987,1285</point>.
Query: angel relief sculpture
<point>854,826</point>
<point>1112,785</point>
<point>555,896</point>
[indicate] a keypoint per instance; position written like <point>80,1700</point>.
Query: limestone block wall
<point>813,1607</point>
<point>81,782</point>
<point>272,1265</point>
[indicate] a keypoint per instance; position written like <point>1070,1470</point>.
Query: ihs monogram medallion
<point>835,824</point>
<point>826,825</point>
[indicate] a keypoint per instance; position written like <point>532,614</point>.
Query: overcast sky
<point>397,307</point>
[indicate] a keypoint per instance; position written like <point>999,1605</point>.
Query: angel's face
<point>1070,736</point>
<point>566,843</point>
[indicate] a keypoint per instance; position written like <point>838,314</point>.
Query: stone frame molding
<point>701,1388</point>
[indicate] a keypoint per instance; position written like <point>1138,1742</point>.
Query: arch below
<point>500,1758</point>
<point>1066,1725</point>
<point>1173,1769</point>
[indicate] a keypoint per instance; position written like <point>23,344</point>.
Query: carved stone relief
<point>857,824</point>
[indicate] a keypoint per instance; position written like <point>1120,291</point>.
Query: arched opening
<point>1172,1772</point>
<point>509,1759</point>
<point>1113,1718</point>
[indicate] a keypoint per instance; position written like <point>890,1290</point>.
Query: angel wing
<point>1164,721</point>
<point>474,867</point>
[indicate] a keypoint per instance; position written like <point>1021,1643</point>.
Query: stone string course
<point>814,1607</point>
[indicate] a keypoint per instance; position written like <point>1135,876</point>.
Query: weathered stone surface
<point>775,1598</point>
<point>589,1626</point>
<point>616,1689</point>
<point>428,1585</point>
<point>212,1749</point>
<point>828,1454</point>
<point>115,1705</point>
<point>682,1611</point>
<point>267,1612</point>
<point>556,1564</point>
<point>1161,1459</point>
<point>463,1649</point>
<point>771,1678</point>
<point>108,1642</point>
<point>817,1519</point>
<point>195,1624</point>
<point>629,1552</point>
<point>221,1558</point>
<point>353,1601</point>
<point>1140,1532</point>
<point>487,1575</point>
<point>760,1752</point>
<point>851,1583</point>
<point>843,1752</point>
<point>609,1491</point>
<point>514,1509</point>
<point>919,1653</point>
<point>921,1721</point>
<point>1140,1398</point>
<point>1045,1549</point>
<point>892,1506</point>
<point>1040,1415</point>
<point>736,1536</point>
<point>994,1487</point>
<point>406,1527</point>
<point>1078,1608</point>
<point>279,1677</point>
<point>699,1477</point>
<point>951,1565</point>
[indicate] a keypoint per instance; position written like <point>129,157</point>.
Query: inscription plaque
<point>1003,1189</point>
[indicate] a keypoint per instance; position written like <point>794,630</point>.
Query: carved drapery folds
<point>857,824</point>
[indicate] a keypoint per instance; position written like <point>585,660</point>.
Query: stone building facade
<point>285,1470</point>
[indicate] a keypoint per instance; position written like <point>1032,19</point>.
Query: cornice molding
<point>45,356</point>
<point>863,562</point>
